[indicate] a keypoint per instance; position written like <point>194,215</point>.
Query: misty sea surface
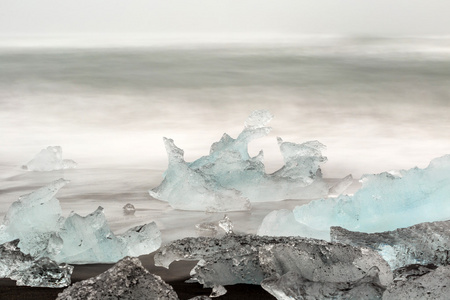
<point>378,104</point>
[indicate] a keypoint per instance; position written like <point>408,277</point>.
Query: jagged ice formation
<point>251,259</point>
<point>27,271</point>
<point>126,280</point>
<point>36,220</point>
<point>49,159</point>
<point>425,243</point>
<point>385,202</point>
<point>229,179</point>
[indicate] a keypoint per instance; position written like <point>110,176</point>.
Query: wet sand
<point>175,276</point>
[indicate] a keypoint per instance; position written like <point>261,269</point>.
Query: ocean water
<point>377,103</point>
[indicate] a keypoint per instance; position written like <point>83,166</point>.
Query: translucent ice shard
<point>341,185</point>
<point>425,243</point>
<point>36,220</point>
<point>27,271</point>
<point>49,159</point>
<point>385,202</point>
<point>420,282</point>
<point>89,239</point>
<point>33,218</point>
<point>228,178</point>
<point>127,280</point>
<point>250,259</point>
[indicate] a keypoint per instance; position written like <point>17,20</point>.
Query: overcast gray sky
<point>288,17</point>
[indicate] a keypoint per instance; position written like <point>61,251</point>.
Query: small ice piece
<point>27,271</point>
<point>420,282</point>
<point>425,243</point>
<point>218,291</point>
<point>129,209</point>
<point>228,179</point>
<point>294,286</point>
<point>341,185</point>
<point>249,259</point>
<point>36,220</point>
<point>385,202</point>
<point>49,159</point>
<point>226,225</point>
<point>127,280</point>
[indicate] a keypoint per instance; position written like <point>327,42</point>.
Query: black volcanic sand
<point>175,276</point>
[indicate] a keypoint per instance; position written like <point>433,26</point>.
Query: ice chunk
<point>89,239</point>
<point>33,218</point>
<point>420,282</point>
<point>27,271</point>
<point>36,220</point>
<point>341,185</point>
<point>385,202</point>
<point>226,225</point>
<point>49,159</point>
<point>129,209</point>
<point>127,279</point>
<point>249,259</point>
<point>294,286</point>
<point>228,178</point>
<point>425,243</point>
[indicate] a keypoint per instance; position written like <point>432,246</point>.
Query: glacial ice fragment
<point>341,185</point>
<point>126,280</point>
<point>89,239</point>
<point>229,179</point>
<point>385,202</point>
<point>425,243</point>
<point>250,259</point>
<point>420,282</point>
<point>28,271</point>
<point>129,209</point>
<point>36,220</point>
<point>49,159</point>
<point>294,286</point>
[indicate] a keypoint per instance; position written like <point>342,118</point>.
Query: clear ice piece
<point>89,240</point>
<point>249,259</point>
<point>229,179</point>
<point>49,159</point>
<point>126,280</point>
<point>385,202</point>
<point>27,271</point>
<point>33,218</point>
<point>425,243</point>
<point>340,186</point>
<point>226,225</point>
<point>36,220</point>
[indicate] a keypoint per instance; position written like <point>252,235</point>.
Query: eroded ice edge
<point>228,179</point>
<point>386,201</point>
<point>49,159</point>
<point>271,261</point>
<point>35,219</point>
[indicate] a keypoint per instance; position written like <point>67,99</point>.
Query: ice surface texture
<point>251,259</point>
<point>420,282</point>
<point>49,159</point>
<point>425,243</point>
<point>127,280</point>
<point>229,179</point>
<point>385,202</point>
<point>28,271</point>
<point>36,220</point>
